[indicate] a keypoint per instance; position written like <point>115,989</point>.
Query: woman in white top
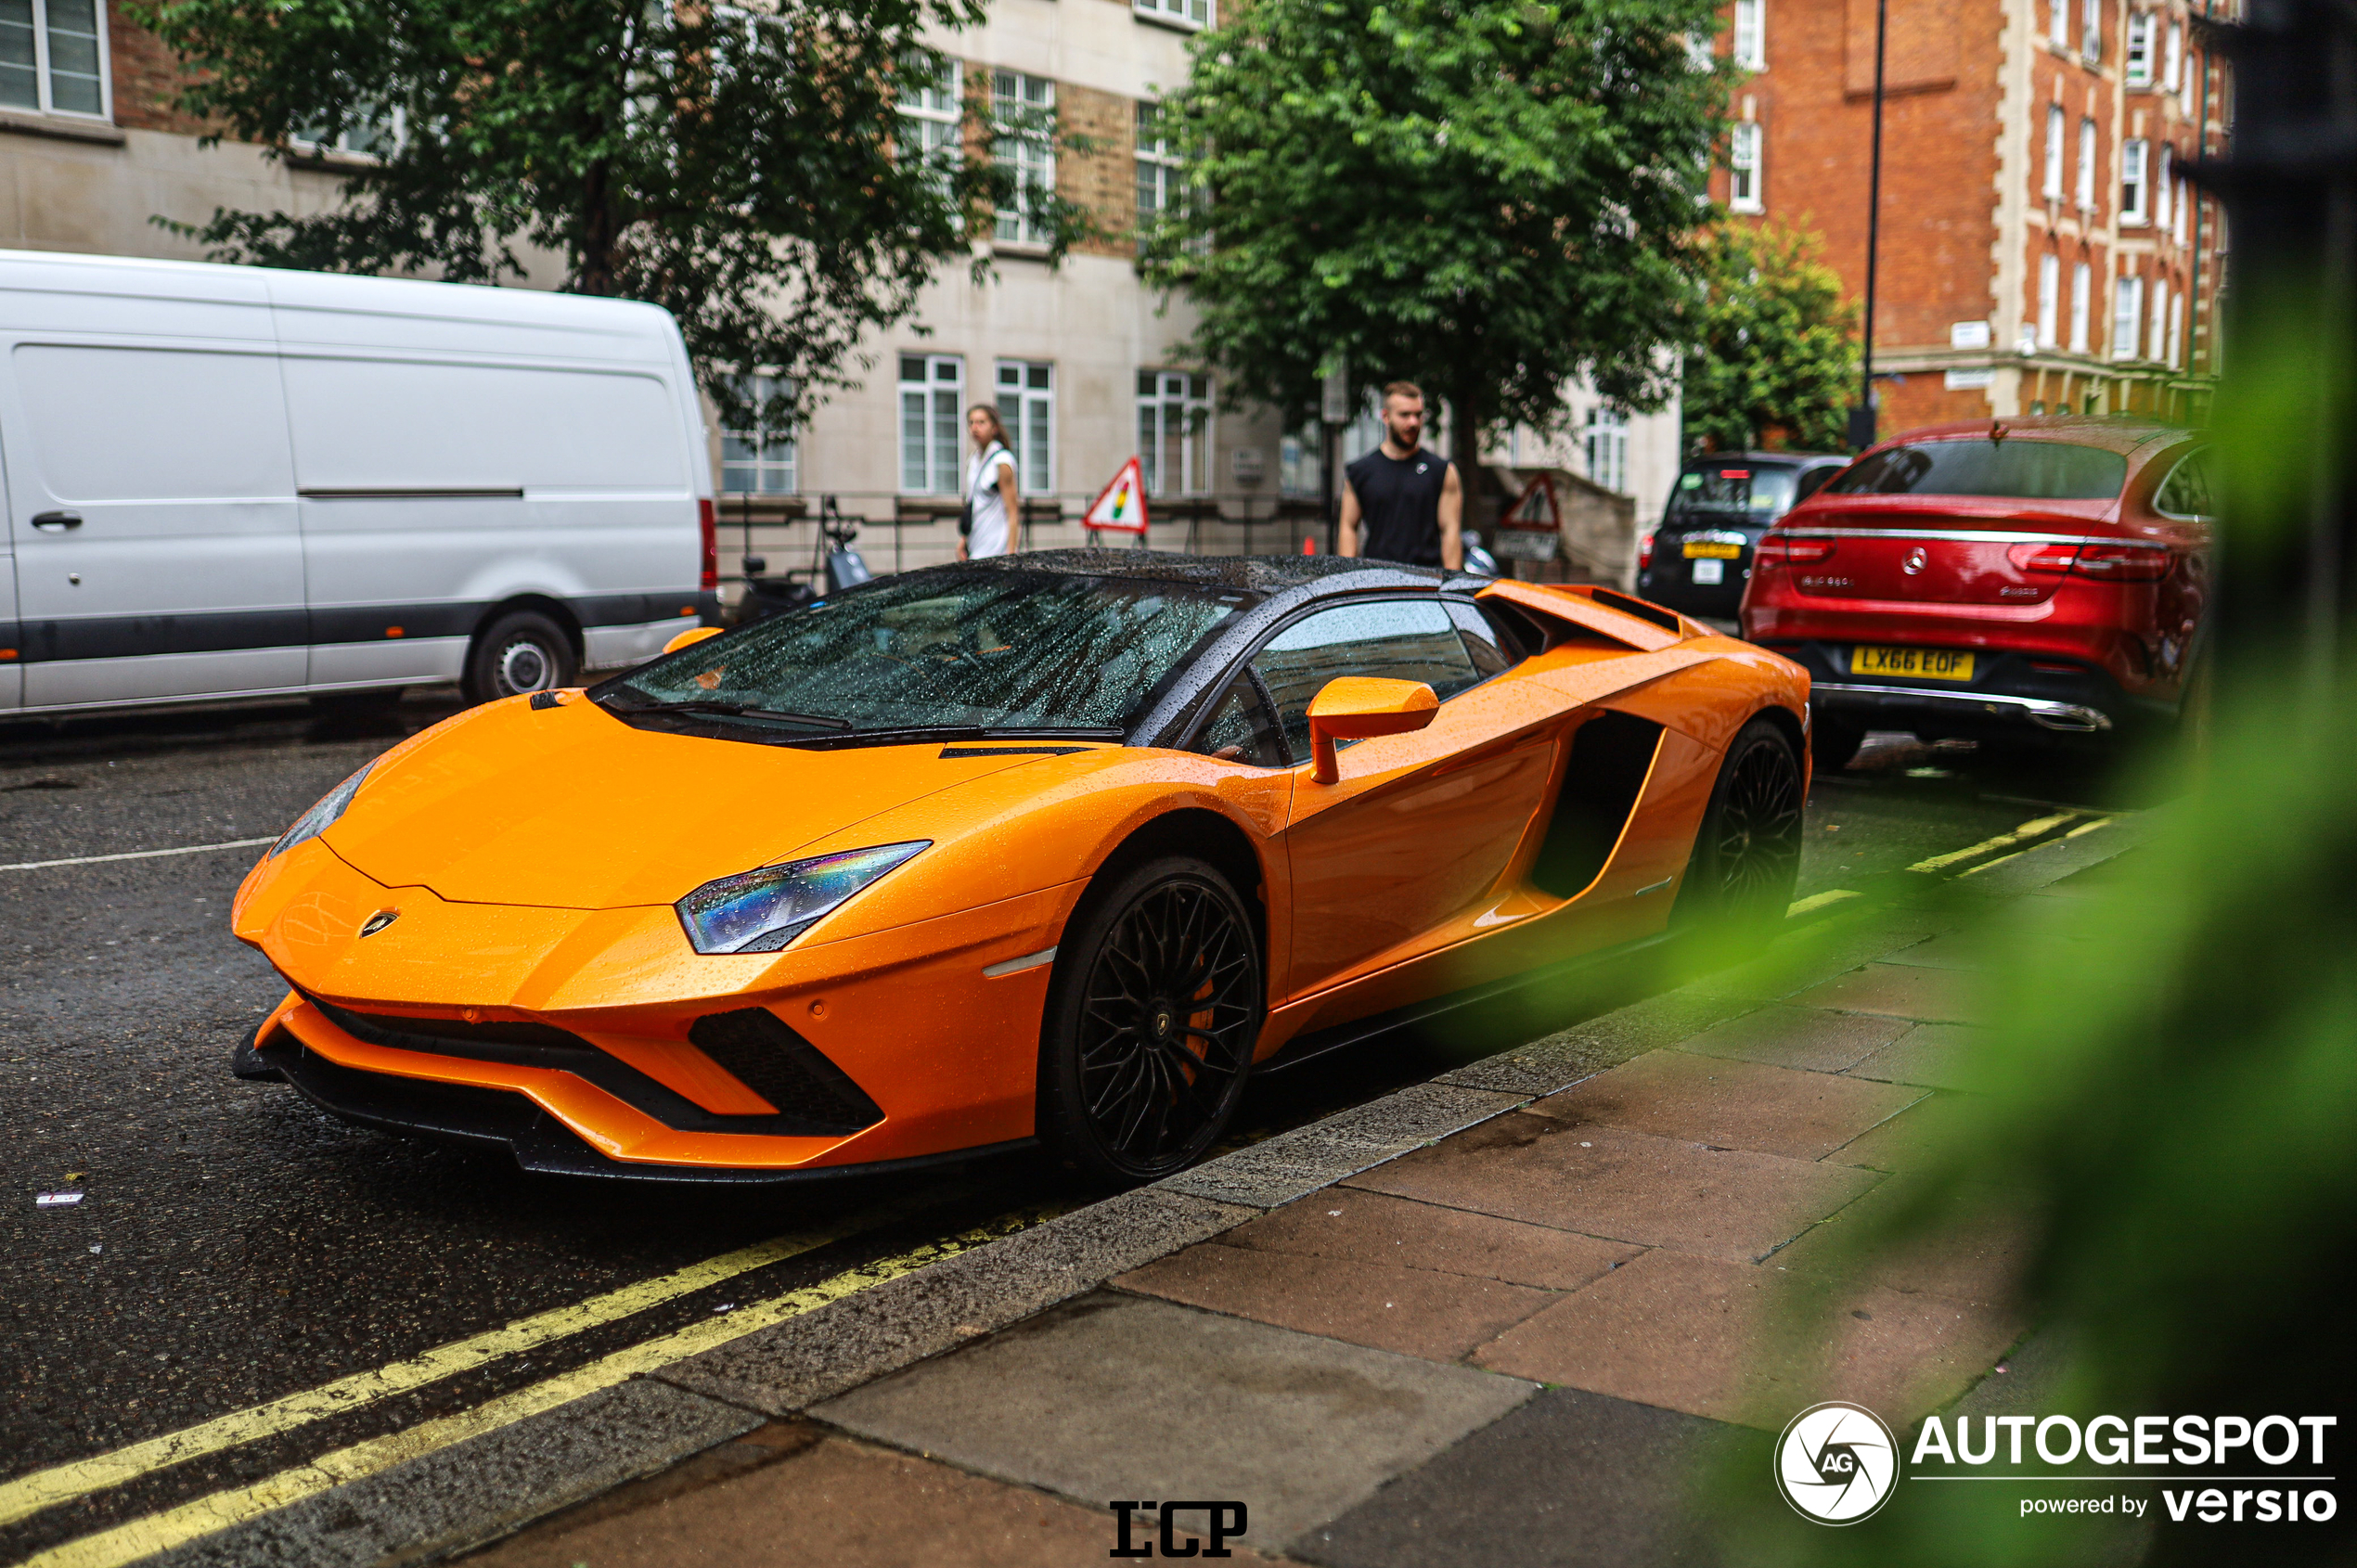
<point>990,487</point>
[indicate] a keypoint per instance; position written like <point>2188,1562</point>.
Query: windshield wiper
<point>745,711</point>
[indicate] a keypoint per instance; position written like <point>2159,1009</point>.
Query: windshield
<point>964,649</point>
<point>1725,487</point>
<point>2018,469</point>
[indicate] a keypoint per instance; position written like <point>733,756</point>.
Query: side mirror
<point>1356,707</point>
<point>689,637</point>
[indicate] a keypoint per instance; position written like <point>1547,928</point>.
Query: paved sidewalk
<point>1501,1318</point>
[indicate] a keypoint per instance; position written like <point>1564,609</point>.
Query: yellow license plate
<point>1698,550</point>
<point>1921,663</point>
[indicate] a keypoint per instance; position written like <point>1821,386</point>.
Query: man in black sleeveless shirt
<point>1403,501</point>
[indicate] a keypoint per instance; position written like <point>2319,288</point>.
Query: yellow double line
<point>159,1532</point>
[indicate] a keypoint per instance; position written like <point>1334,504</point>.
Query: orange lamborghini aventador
<point>1057,847</point>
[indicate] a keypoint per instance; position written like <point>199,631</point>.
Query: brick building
<point>1080,359</point>
<point>2041,249</point>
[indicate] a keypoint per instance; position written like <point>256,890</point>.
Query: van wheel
<point>1153,1014</point>
<point>522,652</point>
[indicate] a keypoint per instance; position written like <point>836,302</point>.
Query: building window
<point>929,121</point>
<point>2138,66</point>
<point>1158,190</point>
<point>1743,168</point>
<point>2176,336</point>
<point>2182,201</point>
<point>2091,37</point>
<point>2059,23</point>
<point>2157,341</point>
<point>1301,462</point>
<point>1751,34</point>
<point>932,422</point>
<point>2134,186</point>
<point>759,461</point>
<point>2172,58</point>
<point>370,132</point>
<point>2082,279</point>
<point>1188,14</point>
<point>53,56</point>
<point>1025,108</point>
<point>2054,119</point>
<point>1174,432</point>
<point>2049,298</point>
<point>2087,165</point>
<point>1608,448</point>
<point>2127,315</point>
<point>2164,191</point>
<point>1028,407</point>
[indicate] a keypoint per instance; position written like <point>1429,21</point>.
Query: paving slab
<point>1377,1228</point>
<point>1623,1186</point>
<point>1413,1311</point>
<point>1969,1243</point>
<point>1813,1039</point>
<point>1917,1138</point>
<point>781,1370</point>
<point>838,1502</point>
<point>1120,1396</point>
<point>1728,1104</point>
<point>1571,1480</point>
<point>1545,1065</point>
<point>1967,949</point>
<point>1939,1056</point>
<point>1753,1345</point>
<point>1926,995</point>
<point>1279,1169</point>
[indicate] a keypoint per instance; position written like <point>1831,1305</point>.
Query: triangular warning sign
<point>1121,505</point>
<point>1535,508</point>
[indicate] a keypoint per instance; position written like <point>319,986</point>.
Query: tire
<point>1833,743</point>
<point>1131,1086</point>
<point>525,651</point>
<point>1747,856</point>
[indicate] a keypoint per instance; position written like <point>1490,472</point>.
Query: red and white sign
<point>1532,528</point>
<point>1121,505</point>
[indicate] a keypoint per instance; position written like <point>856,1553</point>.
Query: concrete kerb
<point>488,1486</point>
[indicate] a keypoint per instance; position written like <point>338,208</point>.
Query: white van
<point>231,481</point>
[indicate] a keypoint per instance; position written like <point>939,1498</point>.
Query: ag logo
<point>1837,1462</point>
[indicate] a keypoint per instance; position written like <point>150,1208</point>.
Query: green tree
<point>1777,347</point>
<point>739,167</point>
<point>1492,197</point>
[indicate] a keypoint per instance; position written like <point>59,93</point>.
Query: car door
<point>152,513</point>
<point>1419,827</point>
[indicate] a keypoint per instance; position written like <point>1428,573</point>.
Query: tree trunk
<point>597,236</point>
<point>1465,442</point>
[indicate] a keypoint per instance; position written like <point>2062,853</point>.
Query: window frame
<point>2136,50</point>
<point>1748,45</point>
<point>2050,292</point>
<point>1029,149</point>
<point>1609,424</point>
<point>45,70</point>
<point>2155,327</point>
<point>943,147</point>
<point>2127,309</point>
<point>2083,306</point>
<point>763,445</point>
<point>1195,447</point>
<point>1034,393</point>
<point>1187,16</point>
<point>2091,31</point>
<point>1158,158</point>
<point>2136,181</point>
<point>2089,148</point>
<point>933,385</point>
<point>1745,185</point>
<point>2058,151</point>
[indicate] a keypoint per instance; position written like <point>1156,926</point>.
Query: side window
<point>1491,653</point>
<point>1396,639</point>
<point>1239,728</point>
<point>2185,493</point>
<point>1814,480</point>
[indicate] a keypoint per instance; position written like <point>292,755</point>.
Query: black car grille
<point>439,1033</point>
<point>760,1051</point>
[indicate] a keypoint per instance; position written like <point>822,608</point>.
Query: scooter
<point>833,561</point>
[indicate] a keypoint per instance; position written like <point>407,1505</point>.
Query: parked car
<point>1699,558</point>
<point>1059,847</point>
<point>234,482</point>
<point>2038,580</point>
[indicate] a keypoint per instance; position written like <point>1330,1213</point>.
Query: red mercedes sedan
<point>2040,578</point>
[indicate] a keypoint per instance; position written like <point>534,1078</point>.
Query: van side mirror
<point>689,637</point>
<point>1357,707</point>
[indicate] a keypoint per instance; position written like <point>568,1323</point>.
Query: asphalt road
<point>233,1245</point>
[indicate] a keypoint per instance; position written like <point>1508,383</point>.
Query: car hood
<point>568,807</point>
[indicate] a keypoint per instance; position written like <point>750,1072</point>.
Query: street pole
<point>1861,419</point>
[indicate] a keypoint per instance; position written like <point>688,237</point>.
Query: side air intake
<point>1610,756</point>
<point>757,1049</point>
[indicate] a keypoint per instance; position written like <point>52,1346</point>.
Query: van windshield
<point>1727,487</point>
<point>2017,470</point>
<point>955,647</point>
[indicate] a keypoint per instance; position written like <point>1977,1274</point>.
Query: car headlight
<point>761,911</point>
<point>316,821</point>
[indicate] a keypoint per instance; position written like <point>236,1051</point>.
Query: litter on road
<point>56,1200</point>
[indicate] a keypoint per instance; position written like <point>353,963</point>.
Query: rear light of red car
<point>705,520</point>
<point>1777,550</point>
<point>2119,563</point>
<point>1645,552</point>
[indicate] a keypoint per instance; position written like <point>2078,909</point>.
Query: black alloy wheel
<point>525,651</point>
<point>1747,857</point>
<point>1155,1006</point>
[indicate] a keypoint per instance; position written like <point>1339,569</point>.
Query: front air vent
<point>757,1047</point>
<point>1610,756</point>
<point>397,1032</point>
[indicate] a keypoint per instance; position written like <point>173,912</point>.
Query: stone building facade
<point>2041,249</point>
